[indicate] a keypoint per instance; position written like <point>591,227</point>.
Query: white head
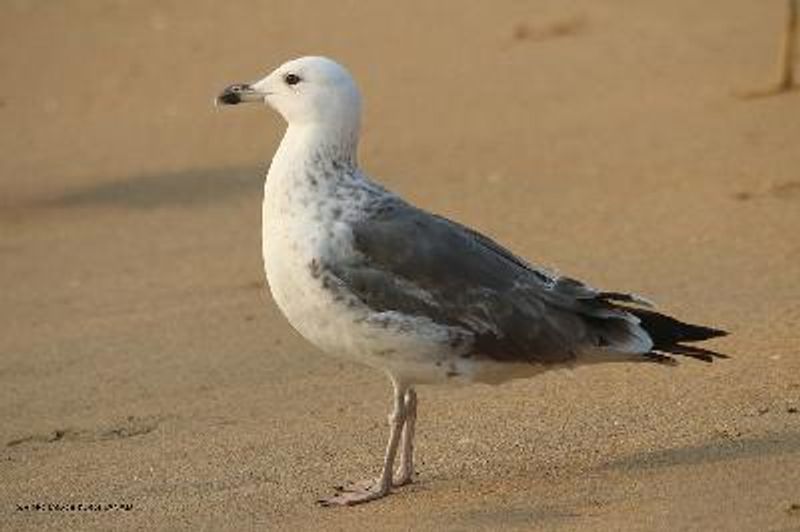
<point>306,91</point>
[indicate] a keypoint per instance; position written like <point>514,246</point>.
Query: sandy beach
<point>143,362</point>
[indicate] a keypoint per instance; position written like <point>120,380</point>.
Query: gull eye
<point>291,79</point>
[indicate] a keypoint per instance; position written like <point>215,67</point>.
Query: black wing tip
<point>697,353</point>
<point>667,331</point>
<point>702,332</point>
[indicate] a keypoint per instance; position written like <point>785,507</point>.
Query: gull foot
<point>402,478</point>
<point>355,493</point>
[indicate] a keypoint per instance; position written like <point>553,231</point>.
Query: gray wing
<point>417,263</point>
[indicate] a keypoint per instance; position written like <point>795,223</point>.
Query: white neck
<point>311,162</point>
<point>319,143</point>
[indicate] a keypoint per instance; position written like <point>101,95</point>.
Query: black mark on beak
<point>233,94</point>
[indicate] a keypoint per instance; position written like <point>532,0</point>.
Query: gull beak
<point>240,93</point>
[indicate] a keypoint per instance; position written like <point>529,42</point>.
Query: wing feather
<point>413,262</point>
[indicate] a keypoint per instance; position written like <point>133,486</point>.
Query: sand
<point>142,361</point>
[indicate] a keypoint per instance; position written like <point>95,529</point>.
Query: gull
<point>363,274</point>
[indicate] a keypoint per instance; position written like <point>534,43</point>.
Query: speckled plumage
<point>364,275</point>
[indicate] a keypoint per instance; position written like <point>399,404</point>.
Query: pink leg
<point>405,473</point>
<point>370,490</point>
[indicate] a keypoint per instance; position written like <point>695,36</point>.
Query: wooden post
<point>786,76</point>
<point>786,59</point>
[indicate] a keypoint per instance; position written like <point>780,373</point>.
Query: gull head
<point>306,91</point>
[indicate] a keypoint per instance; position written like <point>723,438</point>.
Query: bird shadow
<point>711,452</point>
<point>151,191</point>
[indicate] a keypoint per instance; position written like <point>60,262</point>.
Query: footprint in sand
<point>132,426</point>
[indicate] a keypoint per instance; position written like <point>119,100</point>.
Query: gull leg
<point>369,490</point>
<point>405,472</point>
